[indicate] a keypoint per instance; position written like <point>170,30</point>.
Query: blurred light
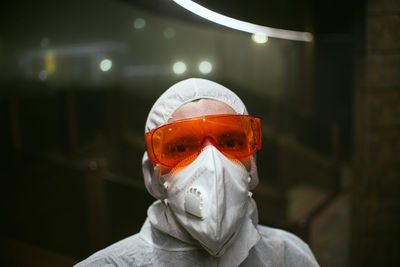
<point>44,43</point>
<point>169,32</point>
<point>105,65</point>
<point>139,23</point>
<point>242,25</point>
<point>205,67</point>
<point>50,62</point>
<point>43,75</point>
<point>179,67</point>
<point>259,38</point>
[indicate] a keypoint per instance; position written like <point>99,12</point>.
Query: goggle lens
<point>238,136</point>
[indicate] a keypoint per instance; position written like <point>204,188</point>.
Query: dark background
<point>71,138</point>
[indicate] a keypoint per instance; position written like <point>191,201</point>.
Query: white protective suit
<point>205,215</point>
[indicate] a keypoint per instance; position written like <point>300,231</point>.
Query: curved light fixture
<point>242,25</point>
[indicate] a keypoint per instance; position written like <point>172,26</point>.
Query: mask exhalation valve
<point>194,202</point>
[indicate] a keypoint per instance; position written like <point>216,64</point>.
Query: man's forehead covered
<point>201,107</point>
<point>187,91</point>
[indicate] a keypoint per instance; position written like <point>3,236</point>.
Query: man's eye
<point>232,140</point>
<point>232,143</point>
<point>180,146</point>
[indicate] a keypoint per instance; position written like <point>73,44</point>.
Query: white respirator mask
<point>210,198</point>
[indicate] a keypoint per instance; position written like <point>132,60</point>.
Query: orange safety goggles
<point>236,136</point>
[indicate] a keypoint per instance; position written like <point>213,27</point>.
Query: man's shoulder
<point>275,234</point>
<point>121,253</point>
<point>287,246</point>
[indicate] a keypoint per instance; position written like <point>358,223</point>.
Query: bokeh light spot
<point>179,67</point>
<point>205,67</point>
<point>139,23</point>
<point>105,65</point>
<point>259,38</point>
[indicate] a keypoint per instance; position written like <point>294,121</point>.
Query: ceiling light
<point>179,67</point>
<point>105,65</point>
<point>259,38</point>
<point>242,25</point>
<point>139,23</point>
<point>205,67</point>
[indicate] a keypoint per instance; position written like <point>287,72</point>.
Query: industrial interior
<point>78,79</point>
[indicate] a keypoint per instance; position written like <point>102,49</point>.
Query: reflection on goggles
<point>237,136</point>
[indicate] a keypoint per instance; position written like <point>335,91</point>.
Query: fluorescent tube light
<point>242,25</point>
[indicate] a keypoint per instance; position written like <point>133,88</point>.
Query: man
<point>200,166</point>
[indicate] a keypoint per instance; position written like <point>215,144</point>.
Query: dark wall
<point>375,203</point>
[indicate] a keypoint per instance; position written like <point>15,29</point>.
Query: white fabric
<point>152,247</point>
<point>181,93</point>
<point>209,198</point>
<point>205,215</point>
<point>162,219</point>
<point>187,91</point>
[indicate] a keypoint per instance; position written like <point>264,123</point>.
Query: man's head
<point>199,161</point>
<point>188,99</point>
<point>188,91</point>
<point>201,107</point>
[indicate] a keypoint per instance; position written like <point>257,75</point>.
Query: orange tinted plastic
<point>237,136</point>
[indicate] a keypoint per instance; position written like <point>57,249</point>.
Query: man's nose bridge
<point>208,140</point>
<point>205,131</point>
